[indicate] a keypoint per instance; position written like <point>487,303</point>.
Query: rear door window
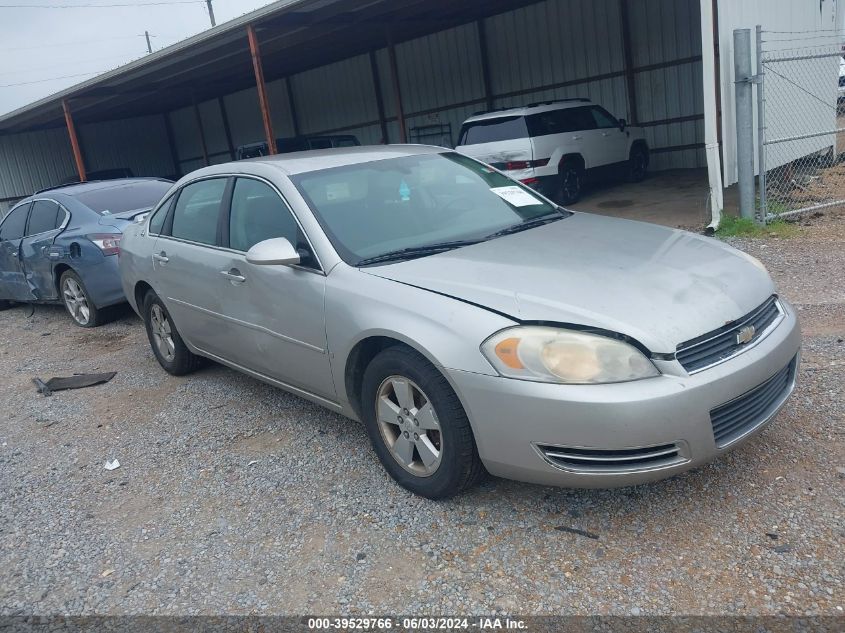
<point>44,217</point>
<point>493,130</point>
<point>15,223</point>
<point>603,119</point>
<point>198,210</point>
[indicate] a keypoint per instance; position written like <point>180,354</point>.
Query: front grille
<point>721,344</point>
<point>734,419</point>
<point>613,461</point>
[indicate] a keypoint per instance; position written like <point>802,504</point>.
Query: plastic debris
<point>77,381</point>
<point>112,465</point>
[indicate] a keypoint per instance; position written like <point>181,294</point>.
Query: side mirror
<point>273,252</point>
<point>623,124</point>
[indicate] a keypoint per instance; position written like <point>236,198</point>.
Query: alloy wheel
<point>409,426</point>
<point>76,302</point>
<point>162,333</point>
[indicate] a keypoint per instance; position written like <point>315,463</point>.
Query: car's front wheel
<point>638,164</point>
<point>168,347</point>
<point>78,302</point>
<point>417,425</point>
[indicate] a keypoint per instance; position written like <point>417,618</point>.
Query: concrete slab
<point>676,198</point>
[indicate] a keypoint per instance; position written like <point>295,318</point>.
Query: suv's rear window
<point>493,130</point>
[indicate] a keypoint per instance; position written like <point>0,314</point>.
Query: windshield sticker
<point>516,196</point>
<point>337,191</point>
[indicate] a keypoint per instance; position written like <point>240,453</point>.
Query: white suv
<point>553,146</point>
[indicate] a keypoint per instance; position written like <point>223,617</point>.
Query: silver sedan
<point>472,325</point>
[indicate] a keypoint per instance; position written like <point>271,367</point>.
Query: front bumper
<point>513,419</point>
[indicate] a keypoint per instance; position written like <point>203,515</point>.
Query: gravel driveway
<point>233,497</point>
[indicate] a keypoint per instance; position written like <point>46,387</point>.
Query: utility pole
<point>211,13</point>
<point>149,46</point>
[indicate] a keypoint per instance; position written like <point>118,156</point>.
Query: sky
<point>49,45</point>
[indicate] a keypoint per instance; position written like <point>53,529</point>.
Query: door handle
<point>605,134</point>
<point>233,275</point>
<point>577,138</point>
<point>161,257</point>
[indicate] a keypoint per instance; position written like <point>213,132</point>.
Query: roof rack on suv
<point>493,110</point>
<point>541,103</point>
<point>532,105</point>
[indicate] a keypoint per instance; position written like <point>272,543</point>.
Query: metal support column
<point>485,64</point>
<point>743,86</point>
<point>397,91</point>
<point>263,102</point>
<point>74,141</point>
<point>761,127</point>
<point>226,129</point>
<point>294,117</point>
<point>627,50</point>
<point>379,98</point>
<point>201,129</point>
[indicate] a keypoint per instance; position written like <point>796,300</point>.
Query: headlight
<point>547,354</point>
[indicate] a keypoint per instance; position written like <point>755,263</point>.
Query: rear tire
<point>167,345</point>
<point>78,302</point>
<point>571,182</point>
<point>638,164</point>
<point>5,305</point>
<point>417,426</point>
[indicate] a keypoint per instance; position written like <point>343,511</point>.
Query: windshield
<point>371,209</point>
<point>129,196</point>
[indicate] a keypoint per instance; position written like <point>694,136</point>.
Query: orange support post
<point>74,142</point>
<point>263,103</point>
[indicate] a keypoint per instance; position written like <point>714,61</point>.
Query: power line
<point>99,6</point>
<point>59,44</point>
<point>41,81</point>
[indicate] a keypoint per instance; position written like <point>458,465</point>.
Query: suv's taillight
<point>515,165</point>
<point>109,243</point>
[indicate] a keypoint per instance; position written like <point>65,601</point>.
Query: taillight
<point>531,182</point>
<point>524,164</point>
<point>109,243</point>
<point>513,165</point>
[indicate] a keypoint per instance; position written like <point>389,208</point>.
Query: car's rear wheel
<point>167,345</point>
<point>5,305</point>
<point>417,425</point>
<point>78,302</point>
<point>638,164</point>
<point>571,182</point>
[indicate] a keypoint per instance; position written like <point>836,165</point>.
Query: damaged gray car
<point>470,323</point>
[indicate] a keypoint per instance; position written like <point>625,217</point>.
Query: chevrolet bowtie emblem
<point>745,334</point>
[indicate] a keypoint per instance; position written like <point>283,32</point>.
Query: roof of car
<point>77,188</point>
<point>315,160</point>
<point>532,108</point>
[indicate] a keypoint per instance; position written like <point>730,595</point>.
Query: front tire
<point>417,425</point>
<point>78,302</point>
<point>638,164</point>
<point>167,345</point>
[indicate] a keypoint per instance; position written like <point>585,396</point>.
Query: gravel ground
<point>233,497</point>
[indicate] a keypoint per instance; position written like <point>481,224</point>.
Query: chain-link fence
<point>802,122</point>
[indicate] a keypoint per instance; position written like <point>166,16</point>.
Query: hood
<point>657,285</point>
